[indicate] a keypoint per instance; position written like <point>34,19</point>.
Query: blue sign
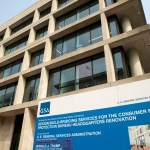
<point>106,129</point>
<point>45,108</point>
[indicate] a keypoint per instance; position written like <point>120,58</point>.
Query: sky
<point>10,8</point>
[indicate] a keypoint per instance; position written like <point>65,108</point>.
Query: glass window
<point>68,78</point>
<point>94,6</point>
<point>121,63</point>
<point>16,45</point>
<point>2,72</point>
<point>21,26</point>
<point>77,14</point>
<point>7,50</point>
<point>99,70</point>
<point>16,132</point>
<point>7,71</point>
<point>41,32</point>
<point>96,34</point>
<point>70,18</point>
<point>109,2</point>
<point>84,74</point>
<point>83,39</point>
<point>58,48</point>
<point>7,94</point>
<point>16,66</point>
<point>69,44</point>
<point>79,39</point>
<point>31,90</point>
<point>84,11</point>
<point>41,56</point>
<point>1,37</point>
<point>45,12</point>
<point>34,59</point>
<point>37,58</point>
<point>36,87</point>
<point>22,43</point>
<point>60,23</point>
<point>10,69</point>
<point>2,96</point>
<point>54,87</point>
<point>62,3</point>
<point>114,26</point>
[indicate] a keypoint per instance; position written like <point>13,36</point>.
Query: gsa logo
<point>45,108</point>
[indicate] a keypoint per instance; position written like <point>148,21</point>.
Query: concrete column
<point>26,61</point>
<point>27,132</point>
<point>36,16</point>
<point>104,24</point>
<point>135,64</point>
<point>126,24</point>
<point>7,33</point>
<point>6,132</point>
<point>54,5</point>
<point>31,35</point>
<point>20,90</point>
<point>51,27</point>
<point>109,64</point>
<point>48,51</point>
<point>2,50</point>
<point>102,4</point>
<point>42,93</point>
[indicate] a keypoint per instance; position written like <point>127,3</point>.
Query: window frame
<point>22,25</point>
<point>76,12</point>
<point>60,5</point>
<point>125,61</point>
<point>45,12</point>
<point>41,32</point>
<point>112,2</point>
<point>4,102</point>
<point>115,19</point>
<point>41,53</point>
<point>76,81</point>
<point>27,93</point>
<point>11,68</point>
<point>16,45</point>
<point>76,33</point>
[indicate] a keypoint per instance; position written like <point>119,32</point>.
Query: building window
<point>7,94</point>
<point>45,12</point>
<point>15,46</point>
<point>77,14</point>
<point>62,3</point>
<point>142,140</point>
<point>109,2</point>
<point>37,58</point>
<point>79,39</point>
<point>82,74</point>
<point>17,132</point>
<point>10,69</point>
<point>21,26</point>
<point>31,89</point>
<point>1,37</point>
<point>121,63</point>
<point>41,32</point>
<point>114,26</point>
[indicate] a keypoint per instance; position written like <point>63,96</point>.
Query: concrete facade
<point>135,39</point>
